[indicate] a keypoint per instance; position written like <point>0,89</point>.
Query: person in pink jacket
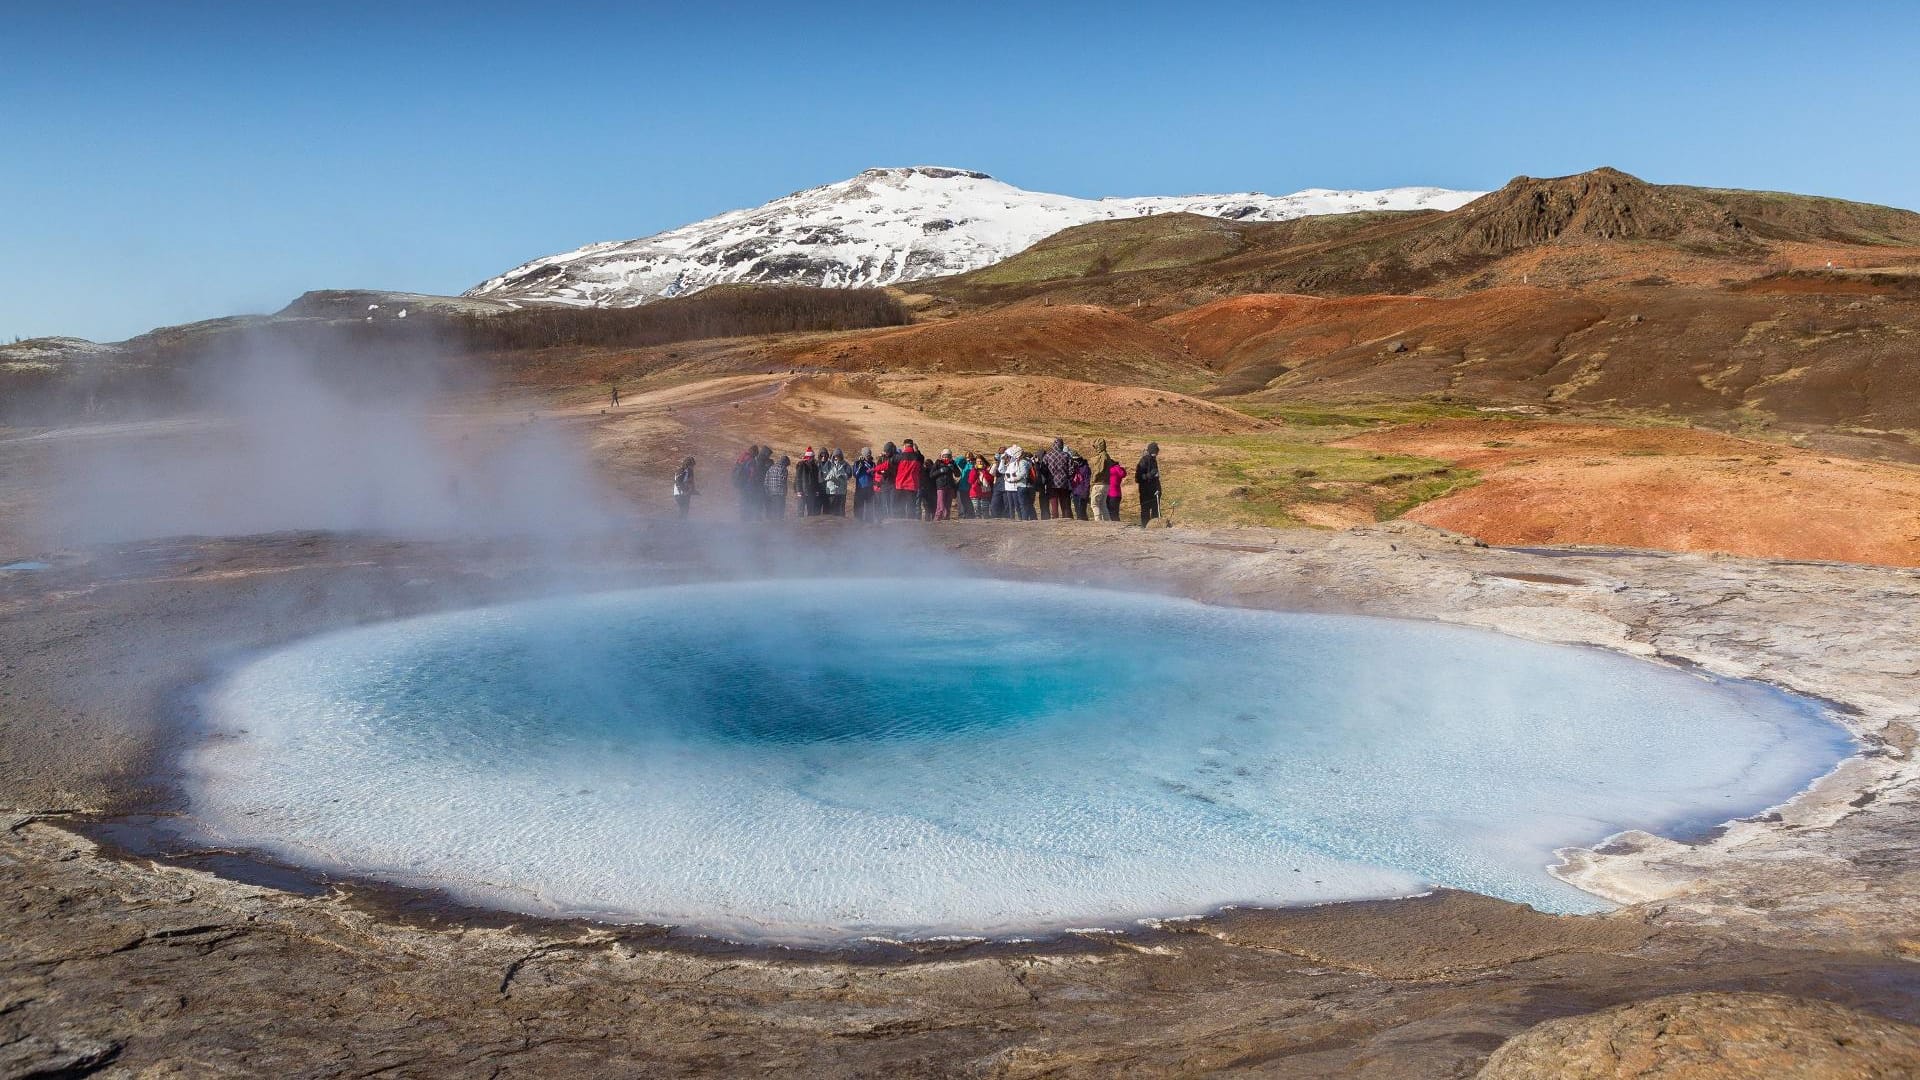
<point>1114,472</point>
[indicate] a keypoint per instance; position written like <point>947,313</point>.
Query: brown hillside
<point>1800,358</point>
<point>1596,228</point>
<point>1072,341</point>
<point>1604,204</point>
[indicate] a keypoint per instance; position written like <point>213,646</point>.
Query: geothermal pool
<point>819,760</point>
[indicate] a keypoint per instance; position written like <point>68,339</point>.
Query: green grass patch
<point>1266,479</point>
<point>1359,416</point>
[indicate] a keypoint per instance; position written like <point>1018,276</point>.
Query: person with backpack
<point>1146,476</point>
<point>1080,486</point>
<point>909,474</point>
<point>776,486</point>
<point>1115,473</point>
<point>743,485</point>
<point>806,484</point>
<point>683,489</point>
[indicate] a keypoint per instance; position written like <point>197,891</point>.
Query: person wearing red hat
<point>806,485</point>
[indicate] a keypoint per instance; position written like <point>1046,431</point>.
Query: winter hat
<point>809,454</point>
<point>946,453</point>
<point>1153,448</point>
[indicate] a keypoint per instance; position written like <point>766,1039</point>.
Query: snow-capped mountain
<point>881,227</point>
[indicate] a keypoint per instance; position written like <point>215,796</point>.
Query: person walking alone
<point>1147,476</point>
<point>683,489</point>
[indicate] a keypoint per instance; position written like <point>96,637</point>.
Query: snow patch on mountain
<point>881,227</point>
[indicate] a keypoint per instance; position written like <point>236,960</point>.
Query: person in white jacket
<point>1013,483</point>
<point>834,476</point>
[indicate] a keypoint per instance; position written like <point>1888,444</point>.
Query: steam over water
<point>795,760</point>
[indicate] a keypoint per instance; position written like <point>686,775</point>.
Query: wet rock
<point>1710,1036</point>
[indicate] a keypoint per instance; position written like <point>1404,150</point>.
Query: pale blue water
<point>831,758</point>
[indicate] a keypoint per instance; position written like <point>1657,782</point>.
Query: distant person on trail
<point>945,477</point>
<point>806,485</point>
<point>683,487</point>
<point>615,387</point>
<point>834,478</point>
<point>1080,486</point>
<point>776,485</point>
<point>1056,473</point>
<point>909,473</point>
<point>1147,476</point>
<point>1115,473</point>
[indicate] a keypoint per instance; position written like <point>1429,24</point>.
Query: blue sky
<point>161,162</point>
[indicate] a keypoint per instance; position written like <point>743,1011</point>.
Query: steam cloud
<point>318,434</point>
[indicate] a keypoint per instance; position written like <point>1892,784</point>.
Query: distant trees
<point>726,311</point>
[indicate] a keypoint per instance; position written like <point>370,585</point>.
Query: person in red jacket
<point>908,472</point>
<point>883,471</point>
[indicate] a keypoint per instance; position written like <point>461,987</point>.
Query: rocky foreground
<point>1783,946</point>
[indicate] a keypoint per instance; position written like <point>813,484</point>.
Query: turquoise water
<point>823,759</point>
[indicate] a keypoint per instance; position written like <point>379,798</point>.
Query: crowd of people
<point>901,482</point>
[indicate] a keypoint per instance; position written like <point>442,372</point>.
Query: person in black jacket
<point>762,463</point>
<point>1147,476</point>
<point>806,485</point>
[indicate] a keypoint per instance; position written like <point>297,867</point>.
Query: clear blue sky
<point>167,161</point>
